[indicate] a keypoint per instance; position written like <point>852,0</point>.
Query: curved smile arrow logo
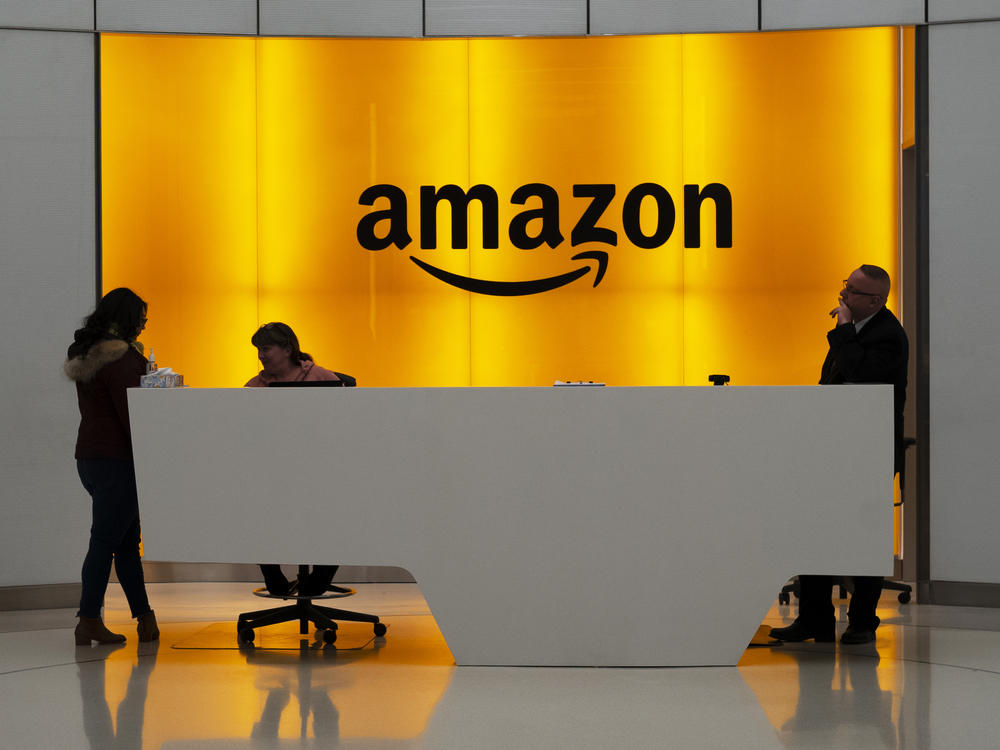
<point>518,288</point>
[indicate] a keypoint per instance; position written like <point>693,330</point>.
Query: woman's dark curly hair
<point>280,334</point>
<point>121,314</point>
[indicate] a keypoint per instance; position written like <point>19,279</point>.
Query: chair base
<point>303,610</point>
<point>904,589</point>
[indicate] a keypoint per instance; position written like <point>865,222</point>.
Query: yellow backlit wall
<point>232,170</point>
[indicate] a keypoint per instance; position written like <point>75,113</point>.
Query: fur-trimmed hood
<point>83,369</point>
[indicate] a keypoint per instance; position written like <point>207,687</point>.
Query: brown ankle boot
<point>148,631</point>
<point>92,629</point>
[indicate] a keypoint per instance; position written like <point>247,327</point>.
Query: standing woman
<point>104,360</point>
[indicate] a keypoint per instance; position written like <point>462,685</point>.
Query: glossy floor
<point>932,680</point>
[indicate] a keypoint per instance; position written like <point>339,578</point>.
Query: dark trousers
<point>114,535</point>
<point>816,605</point>
<point>320,578</point>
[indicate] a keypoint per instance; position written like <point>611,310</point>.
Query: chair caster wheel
<point>329,636</point>
<point>245,636</point>
<point>904,597</point>
<point>379,629</point>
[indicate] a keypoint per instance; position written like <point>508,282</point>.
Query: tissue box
<point>164,378</point>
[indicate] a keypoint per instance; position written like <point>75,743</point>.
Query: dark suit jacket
<point>878,354</point>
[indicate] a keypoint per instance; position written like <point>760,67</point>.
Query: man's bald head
<point>879,276</point>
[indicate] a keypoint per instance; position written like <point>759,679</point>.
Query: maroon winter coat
<point>102,376</point>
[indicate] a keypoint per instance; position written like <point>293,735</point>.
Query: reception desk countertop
<point>539,523</point>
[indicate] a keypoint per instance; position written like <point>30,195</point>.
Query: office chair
<point>905,590</point>
<point>305,612</point>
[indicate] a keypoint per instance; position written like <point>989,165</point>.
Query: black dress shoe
<point>798,632</point>
<point>855,635</point>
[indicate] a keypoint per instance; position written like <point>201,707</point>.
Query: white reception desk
<point>544,526</point>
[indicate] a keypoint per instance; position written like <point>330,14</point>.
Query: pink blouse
<point>306,371</point>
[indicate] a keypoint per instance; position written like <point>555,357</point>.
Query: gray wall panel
<point>341,17</point>
<point>47,283</point>
<point>50,14</point>
<point>964,349</point>
<point>808,14</point>
<point>671,16</point>
<point>179,16</point>
<point>961,10</point>
<point>498,17</point>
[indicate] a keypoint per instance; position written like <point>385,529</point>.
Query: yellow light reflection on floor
<point>820,690</point>
<point>382,691</point>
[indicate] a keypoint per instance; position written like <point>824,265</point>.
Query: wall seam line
<point>98,177</point>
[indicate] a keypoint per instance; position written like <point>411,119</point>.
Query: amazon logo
<point>539,225</point>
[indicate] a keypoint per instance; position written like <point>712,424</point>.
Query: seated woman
<point>283,361</point>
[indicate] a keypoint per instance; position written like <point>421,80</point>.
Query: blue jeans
<point>114,535</point>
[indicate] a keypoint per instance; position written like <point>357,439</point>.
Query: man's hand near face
<point>842,313</point>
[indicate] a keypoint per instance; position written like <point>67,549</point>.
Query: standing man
<point>868,345</point>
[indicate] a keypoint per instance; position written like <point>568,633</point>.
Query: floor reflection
<point>313,696</point>
<point>837,699</point>
<point>126,730</point>
<point>578,707</point>
<point>313,702</point>
<point>924,684</point>
<point>881,695</point>
<point>284,675</point>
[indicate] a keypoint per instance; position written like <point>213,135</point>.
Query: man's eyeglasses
<point>851,290</point>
